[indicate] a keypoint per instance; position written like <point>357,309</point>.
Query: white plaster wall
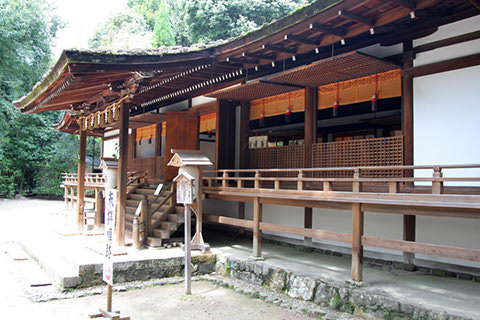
<point>447,105</point>
<point>109,148</point>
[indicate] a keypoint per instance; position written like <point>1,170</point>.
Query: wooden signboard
<point>110,213</point>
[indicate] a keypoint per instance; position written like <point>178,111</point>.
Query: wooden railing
<point>357,192</point>
<point>91,179</point>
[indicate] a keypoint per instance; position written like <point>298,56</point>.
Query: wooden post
<point>109,298</point>
<point>72,197</point>
<point>136,234</point>
<point>407,131</point>
<point>122,175</point>
<point>244,150</point>
<point>99,207</point>
<point>225,135</point>
<point>257,233</point>
<point>257,182</point>
<point>357,248</point>
<point>357,185</point>
<point>310,137</point>
<point>158,140</point>
<point>147,219</point>
<point>188,265</point>
<point>65,196</point>
<point>437,184</point>
<point>81,179</point>
<point>198,237</point>
<point>300,181</point>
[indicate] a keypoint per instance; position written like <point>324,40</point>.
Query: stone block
<point>301,287</point>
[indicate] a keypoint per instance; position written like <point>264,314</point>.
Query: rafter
<point>302,40</point>
<point>278,48</point>
<point>269,57</point>
<point>356,17</point>
<point>406,3</point>
<point>327,30</point>
<point>475,3</point>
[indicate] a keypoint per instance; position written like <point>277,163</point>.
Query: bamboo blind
<point>147,132</point>
<point>208,122</point>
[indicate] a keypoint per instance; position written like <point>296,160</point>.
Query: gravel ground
<point>19,273</point>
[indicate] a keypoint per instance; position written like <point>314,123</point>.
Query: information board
<point>110,214</point>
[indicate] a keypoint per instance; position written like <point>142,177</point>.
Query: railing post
<point>99,207</point>
<point>357,185</point>
<point>257,182</point>
<point>72,197</point>
<point>276,184</point>
<point>147,221</point>
<point>257,233</point>
<point>239,183</point>
<point>437,183</point>
<point>327,186</point>
<point>300,181</point>
<point>393,187</point>
<point>224,181</point>
<point>65,194</point>
<point>357,248</point>
<point>136,234</point>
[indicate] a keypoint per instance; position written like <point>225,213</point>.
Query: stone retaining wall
<point>344,296</point>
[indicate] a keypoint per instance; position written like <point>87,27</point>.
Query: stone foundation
<point>142,270</point>
<point>344,296</point>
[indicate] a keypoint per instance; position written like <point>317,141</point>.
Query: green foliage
<point>162,32</point>
<point>28,28</point>
<point>126,30</point>
<point>206,20</point>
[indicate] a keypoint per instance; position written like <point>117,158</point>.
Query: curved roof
<point>85,81</point>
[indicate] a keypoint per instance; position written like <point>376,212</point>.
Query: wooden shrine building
<point>346,124</point>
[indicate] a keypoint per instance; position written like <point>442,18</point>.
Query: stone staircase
<point>166,217</point>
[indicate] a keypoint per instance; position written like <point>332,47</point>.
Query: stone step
<point>133,202</point>
<point>154,242</point>
<point>176,217</point>
<point>144,190</point>
<point>161,233</point>
<point>168,225</point>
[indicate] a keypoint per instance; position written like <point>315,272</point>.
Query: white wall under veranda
<point>446,131</point>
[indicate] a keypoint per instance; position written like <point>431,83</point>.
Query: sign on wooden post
<point>110,213</point>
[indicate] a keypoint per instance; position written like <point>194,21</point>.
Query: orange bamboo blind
<point>382,85</point>
<point>147,132</point>
<point>208,122</point>
<point>277,105</point>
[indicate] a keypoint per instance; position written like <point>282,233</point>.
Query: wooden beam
<point>443,66</point>
<point>475,3</point>
<point>333,31</point>
<point>355,17</point>
<point>310,137</point>
<point>406,3</point>
<point>278,48</point>
<point>301,40</point>
<point>81,179</point>
<point>357,248</point>
<point>158,139</point>
<point>423,248</point>
<point>257,233</point>
<point>122,175</point>
<point>409,235</point>
<point>269,57</point>
<point>225,135</point>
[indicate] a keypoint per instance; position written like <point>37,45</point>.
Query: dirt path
<point>18,273</point>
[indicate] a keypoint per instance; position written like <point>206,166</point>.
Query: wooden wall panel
<point>225,135</point>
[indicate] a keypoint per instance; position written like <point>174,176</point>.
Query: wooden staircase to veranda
<point>157,215</point>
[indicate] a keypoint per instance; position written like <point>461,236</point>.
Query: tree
<point>125,30</point>
<point>162,32</point>
<point>28,28</point>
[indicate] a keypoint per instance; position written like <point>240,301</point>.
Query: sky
<point>81,19</point>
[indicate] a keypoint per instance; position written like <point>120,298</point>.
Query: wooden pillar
<point>310,137</point>
<point>158,140</point>
<point>244,151</point>
<point>407,131</point>
<point>72,197</point>
<point>122,175</point>
<point>81,179</point>
<point>99,208</point>
<point>257,233</point>
<point>357,248</point>
<point>225,135</point>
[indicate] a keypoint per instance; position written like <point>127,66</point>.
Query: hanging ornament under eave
<point>209,133</point>
<point>150,140</point>
<point>335,109</point>
<point>140,141</point>
<point>374,103</point>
